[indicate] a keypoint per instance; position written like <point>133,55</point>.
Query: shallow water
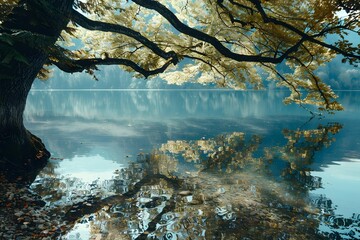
<point>216,164</point>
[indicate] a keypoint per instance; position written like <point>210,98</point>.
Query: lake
<point>196,164</point>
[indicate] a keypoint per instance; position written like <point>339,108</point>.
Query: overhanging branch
<point>183,28</point>
<point>305,36</point>
<point>72,66</point>
<point>116,28</point>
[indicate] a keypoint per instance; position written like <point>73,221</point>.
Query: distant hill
<point>109,77</point>
<point>340,76</point>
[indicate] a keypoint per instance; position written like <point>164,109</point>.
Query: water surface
<point>246,164</point>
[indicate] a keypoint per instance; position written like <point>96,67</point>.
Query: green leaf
<point>6,38</point>
<point>9,54</point>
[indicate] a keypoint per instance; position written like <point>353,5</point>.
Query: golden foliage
<point>6,7</point>
<point>276,29</point>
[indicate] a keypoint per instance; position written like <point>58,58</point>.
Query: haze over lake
<point>96,132</point>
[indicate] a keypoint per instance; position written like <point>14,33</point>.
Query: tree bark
<point>21,151</point>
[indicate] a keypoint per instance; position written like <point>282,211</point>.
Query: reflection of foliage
<point>235,151</point>
<point>230,192</point>
<point>227,193</point>
<point>225,152</point>
<point>302,144</point>
<point>300,150</point>
<point>225,188</point>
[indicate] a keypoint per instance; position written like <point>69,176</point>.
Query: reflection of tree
<point>229,190</point>
<point>300,150</point>
<point>236,152</point>
<point>227,187</point>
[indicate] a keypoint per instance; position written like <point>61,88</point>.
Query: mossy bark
<point>21,59</point>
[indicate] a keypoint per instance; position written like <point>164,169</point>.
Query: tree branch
<point>228,12</point>
<point>115,28</point>
<point>291,86</point>
<point>305,36</point>
<point>183,28</point>
<point>72,66</point>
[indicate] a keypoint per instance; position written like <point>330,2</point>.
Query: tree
<point>234,44</point>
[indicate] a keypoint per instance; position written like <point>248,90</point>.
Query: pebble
<point>41,226</point>
<point>18,214</point>
<point>11,196</point>
<point>185,193</point>
<point>23,216</point>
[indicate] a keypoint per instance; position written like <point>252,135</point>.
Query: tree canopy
<point>231,43</point>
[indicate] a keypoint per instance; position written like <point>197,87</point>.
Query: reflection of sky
<point>341,184</point>
<point>150,105</point>
<point>122,123</point>
<point>87,168</point>
<point>98,132</point>
<point>116,124</point>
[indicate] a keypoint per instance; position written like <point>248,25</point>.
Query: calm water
<point>248,167</point>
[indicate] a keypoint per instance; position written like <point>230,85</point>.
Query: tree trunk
<point>20,62</point>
